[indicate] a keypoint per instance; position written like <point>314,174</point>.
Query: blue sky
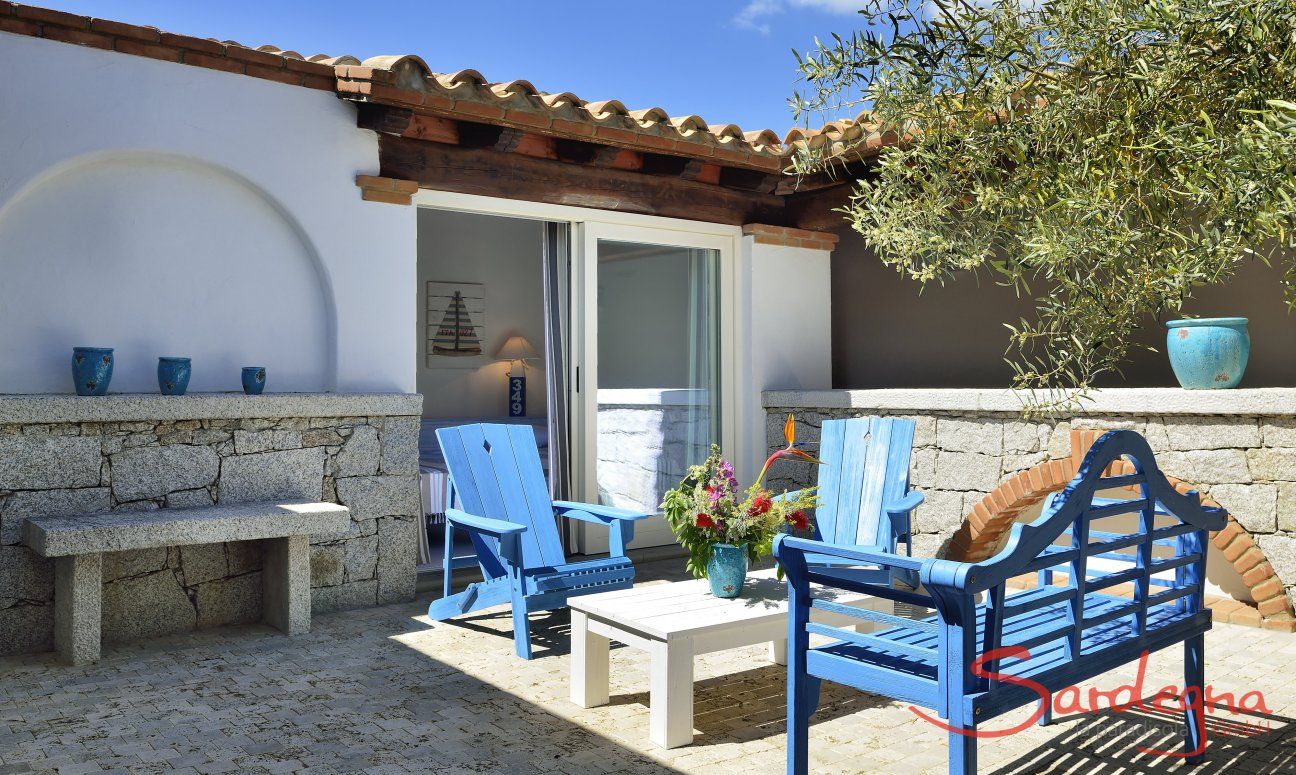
<point>726,60</point>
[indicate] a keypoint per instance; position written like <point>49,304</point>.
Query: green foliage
<point>707,509</point>
<point>1105,157</point>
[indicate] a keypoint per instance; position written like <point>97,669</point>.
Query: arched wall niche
<point>157,254</point>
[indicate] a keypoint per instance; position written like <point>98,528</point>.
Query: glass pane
<point>658,367</point>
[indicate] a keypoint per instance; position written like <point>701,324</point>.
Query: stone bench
<point>77,543</point>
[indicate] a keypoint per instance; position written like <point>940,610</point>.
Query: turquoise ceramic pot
<point>253,380</point>
<point>92,370</point>
<point>173,376</point>
<point>1208,353</point>
<point>727,569</point>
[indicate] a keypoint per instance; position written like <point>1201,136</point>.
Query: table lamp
<point>516,350</point>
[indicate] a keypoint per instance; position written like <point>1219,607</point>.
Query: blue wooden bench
<point>1071,627</point>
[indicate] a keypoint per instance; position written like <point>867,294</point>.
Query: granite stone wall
<point>367,463</point>
<point>1245,462</point>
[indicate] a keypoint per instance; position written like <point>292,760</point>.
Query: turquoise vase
<point>173,376</point>
<point>92,370</point>
<point>253,380</point>
<point>1208,353</point>
<point>727,569</point>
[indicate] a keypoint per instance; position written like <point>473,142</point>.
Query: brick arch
<point>987,523</point>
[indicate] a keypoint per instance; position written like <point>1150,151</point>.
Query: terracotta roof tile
<point>406,79</point>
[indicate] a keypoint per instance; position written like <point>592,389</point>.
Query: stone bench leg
<point>287,580</point>
<point>78,607</point>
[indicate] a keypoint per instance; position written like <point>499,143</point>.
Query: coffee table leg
<point>589,664</point>
<point>778,651</point>
<point>671,696</point>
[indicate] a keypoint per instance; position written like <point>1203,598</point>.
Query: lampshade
<point>517,348</point>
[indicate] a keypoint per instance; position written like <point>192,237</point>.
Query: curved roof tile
<point>412,72</point>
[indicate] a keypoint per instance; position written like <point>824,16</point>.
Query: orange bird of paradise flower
<point>790,451</point>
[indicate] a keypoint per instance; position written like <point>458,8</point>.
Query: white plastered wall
<point>788,331</point>
<point>163,209</point>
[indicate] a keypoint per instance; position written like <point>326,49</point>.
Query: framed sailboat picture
<point>456,325</point>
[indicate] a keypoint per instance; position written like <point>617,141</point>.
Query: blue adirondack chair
<point>503,503</point>
<point>864,495</point>
<point>1072,629</point>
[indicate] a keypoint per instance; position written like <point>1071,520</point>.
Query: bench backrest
<point>865,467</point>
<point>495,472</point>
<point>1148,536</point>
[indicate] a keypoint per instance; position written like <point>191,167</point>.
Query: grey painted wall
<point>887,335</point>
<point>504,254</point>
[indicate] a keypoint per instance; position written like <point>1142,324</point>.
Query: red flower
<point>760,505</point>
<point>705,521</point>
<point>798,520</point>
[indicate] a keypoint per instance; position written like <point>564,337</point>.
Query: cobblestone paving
<point>382,690</point>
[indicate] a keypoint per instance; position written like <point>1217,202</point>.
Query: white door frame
<point>587,227</point>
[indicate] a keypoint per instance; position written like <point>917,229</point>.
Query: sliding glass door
<point>650,367</point>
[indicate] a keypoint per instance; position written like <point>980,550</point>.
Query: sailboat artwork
<point>456,313</point>
<point>457,335</point>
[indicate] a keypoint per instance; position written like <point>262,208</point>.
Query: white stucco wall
<point>163,209</point>
<point>788,332</point>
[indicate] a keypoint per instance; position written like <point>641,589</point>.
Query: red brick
<point>251,55</point>
<point>79,37</point>
<point>388,197</point>
<point>1267,589</point>
<point>324,82</point>
<point>375,182</point>
<point>1257,574</point>
<point>199,59</point>
<point>1281,625</point>
<point>274,74</point>
<point>50,16</point>
<point>1246,616</point>
<point>19,26</point>
<point>190,43</point>
<point>121,29</point>
<point>572,127</point>
<point>437,101</point>
<point>482,109</point>
<point>311,68</point>
<point>617,134</point>
<point>151,50</point>
<point>1237,547</point>
<point>1223,538</point>
<point>1274,605</point>
<point>528,117</point>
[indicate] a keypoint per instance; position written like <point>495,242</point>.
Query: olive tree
<point>1104,157</point>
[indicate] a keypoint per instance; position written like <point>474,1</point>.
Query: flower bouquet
<point>725,528</point>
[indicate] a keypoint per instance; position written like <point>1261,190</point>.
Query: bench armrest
<point>786,547</point>
<point>496,528</point>
<point>599,515</point>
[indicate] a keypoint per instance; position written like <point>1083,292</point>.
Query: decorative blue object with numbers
<point>501,500</point>
<point>517,396</point>
<point>1071,627</point>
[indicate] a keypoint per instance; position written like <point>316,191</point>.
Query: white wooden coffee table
<point>676,622</point>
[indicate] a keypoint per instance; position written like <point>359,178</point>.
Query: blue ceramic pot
<point>92,370</point>
<point>727,569</point>
<point>173,376</point>
<point>253,380</point>
<point>1208,353</point>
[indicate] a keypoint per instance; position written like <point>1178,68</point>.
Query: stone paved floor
<point>383,691</point>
